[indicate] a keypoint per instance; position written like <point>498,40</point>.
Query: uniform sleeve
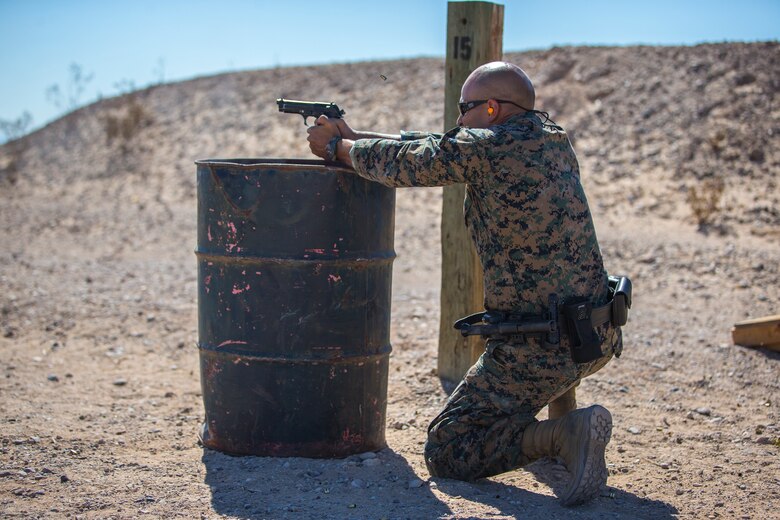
<point>431,161</point>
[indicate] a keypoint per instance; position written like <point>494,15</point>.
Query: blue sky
<point>142,41</point>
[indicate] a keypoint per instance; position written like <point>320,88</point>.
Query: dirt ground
<point>99,388</point>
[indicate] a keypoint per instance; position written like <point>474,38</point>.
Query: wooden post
<point>475,32</point>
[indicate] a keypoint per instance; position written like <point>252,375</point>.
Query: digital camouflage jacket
<point>525,207</point>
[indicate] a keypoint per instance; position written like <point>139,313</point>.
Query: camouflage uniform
<point>528,216</point>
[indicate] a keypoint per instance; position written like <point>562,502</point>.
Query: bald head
<point>502,80</point>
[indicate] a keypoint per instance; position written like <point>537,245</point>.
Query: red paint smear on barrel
<point>355,438</point>
<point>233,237</point>
<point>238,290</point>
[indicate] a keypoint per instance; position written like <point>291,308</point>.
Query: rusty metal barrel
<point>294,287</point>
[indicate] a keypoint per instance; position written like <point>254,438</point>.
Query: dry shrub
<point>128,122</point>
<point>705,201</point>
<point>717,141</point>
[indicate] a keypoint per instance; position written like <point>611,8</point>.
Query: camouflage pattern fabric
<point>525,207</point>
<point>529,218</point>
<point>479,432</point>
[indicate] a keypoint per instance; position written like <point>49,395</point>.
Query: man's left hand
<point>320,134</point>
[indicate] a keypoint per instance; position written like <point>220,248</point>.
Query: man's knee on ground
<point>441,462</point>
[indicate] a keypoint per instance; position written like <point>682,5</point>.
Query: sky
<point>123,44</point>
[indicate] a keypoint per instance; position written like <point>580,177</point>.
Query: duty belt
<point>493,324</point>
<point>575,317</point>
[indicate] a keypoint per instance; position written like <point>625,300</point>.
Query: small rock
<point>703,410</point>
<point>664,465</point>
<point>53,378</point>
<point>679,492</point>
<point>415,483</point>
<point>367,455</point>
<point>64,478</point>
<point>370,463</point>
<point>634,430</point>
<point>120,382</point>
<point>357,483</point>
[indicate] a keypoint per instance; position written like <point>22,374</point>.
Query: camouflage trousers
<point>479,431</point>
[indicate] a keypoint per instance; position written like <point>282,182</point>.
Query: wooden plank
<point>474,37</point>
<point>760,332</point>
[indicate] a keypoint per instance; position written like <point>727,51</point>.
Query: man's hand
<point>321,133</point>
<point>324,130</point>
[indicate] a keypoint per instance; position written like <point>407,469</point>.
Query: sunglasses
<point>468,105</point>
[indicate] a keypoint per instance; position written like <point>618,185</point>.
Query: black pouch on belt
<point>585,343</point>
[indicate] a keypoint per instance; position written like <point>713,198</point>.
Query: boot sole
<point>592,475</point>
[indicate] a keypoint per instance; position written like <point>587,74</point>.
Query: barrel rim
<point>247,163</point>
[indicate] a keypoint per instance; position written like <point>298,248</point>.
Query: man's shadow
<point>518,502</point>
<point>270,487</point>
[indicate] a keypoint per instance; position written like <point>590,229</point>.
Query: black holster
<point>581,319</point>
<point>584,342</point>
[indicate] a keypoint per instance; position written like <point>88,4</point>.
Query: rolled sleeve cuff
<point>411,135</point>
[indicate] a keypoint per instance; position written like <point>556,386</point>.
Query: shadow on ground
<point>266,487</point>
<point>613,503</point>
<point>510,501</point>
<point>353,488</point>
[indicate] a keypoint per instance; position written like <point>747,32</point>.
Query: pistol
<point>309,108</point>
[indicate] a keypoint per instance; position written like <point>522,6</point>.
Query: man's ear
<point>492,108</point>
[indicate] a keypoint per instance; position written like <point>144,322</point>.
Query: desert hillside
<point>98,316</point>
